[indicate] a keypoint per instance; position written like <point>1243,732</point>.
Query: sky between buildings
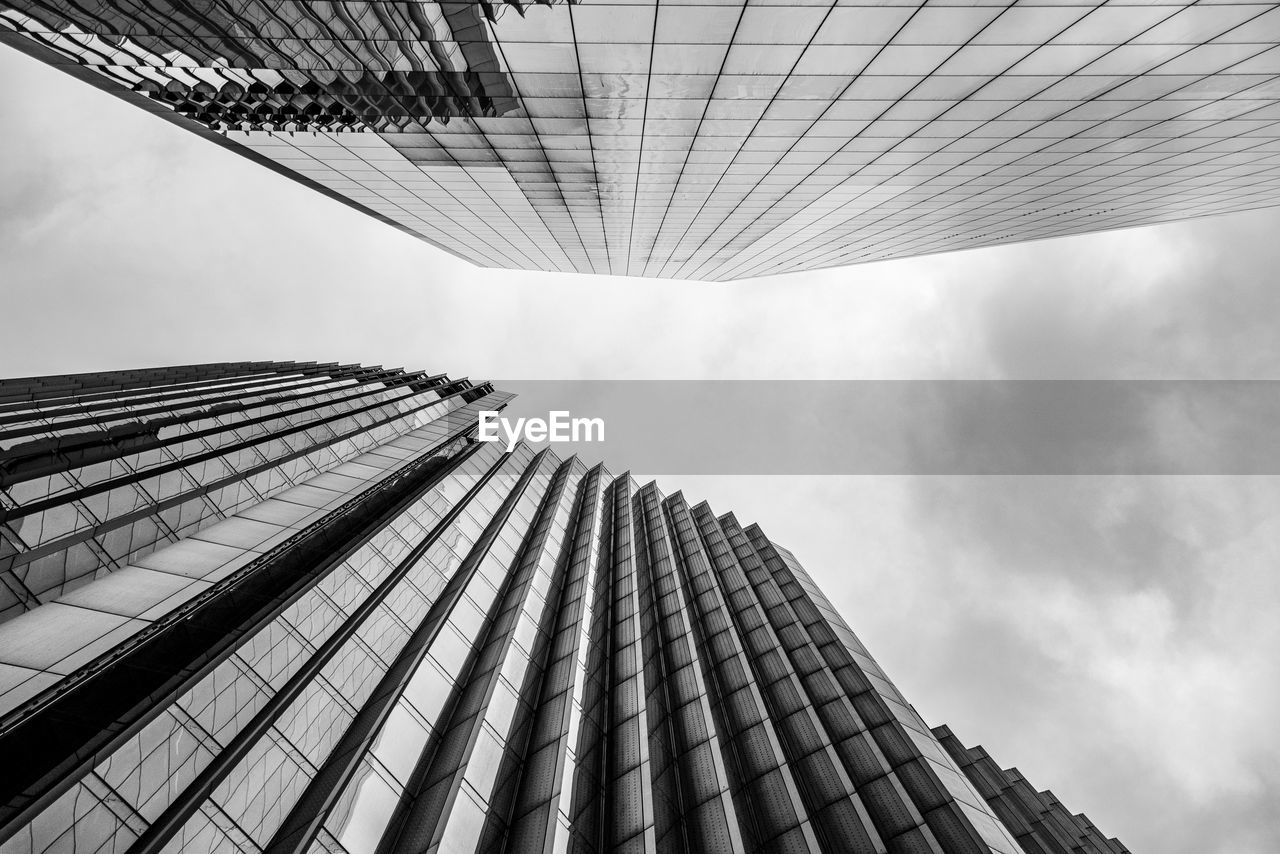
<point>1113,636</point>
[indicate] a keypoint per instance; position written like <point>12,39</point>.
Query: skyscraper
<point>299,607</point>
<point>714,139</point>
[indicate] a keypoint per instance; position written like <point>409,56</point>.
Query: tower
<point>710,140</point>
<point>349,626</point>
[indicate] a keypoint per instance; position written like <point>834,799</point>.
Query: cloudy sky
<point>1111,634</point>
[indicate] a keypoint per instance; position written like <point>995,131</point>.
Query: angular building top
<point>278,607</point>
<point>712,140</point>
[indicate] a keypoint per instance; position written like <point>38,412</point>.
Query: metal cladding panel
<point>711,140</point>
<point>434,645</point>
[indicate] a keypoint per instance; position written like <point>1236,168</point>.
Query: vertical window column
<point>944,823</point>
<point>698,813</point>
<point>531,796</point>
<point>449,788</point>
<point>764,791</point>
<point>612,805</point>
<point>298,830</point>
<point>830,798</point>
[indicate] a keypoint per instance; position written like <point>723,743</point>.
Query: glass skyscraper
<point>711,139</point>
<point>299,607</point>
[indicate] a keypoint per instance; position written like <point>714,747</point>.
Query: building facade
<point>711,139</point>
<point>281,607</point>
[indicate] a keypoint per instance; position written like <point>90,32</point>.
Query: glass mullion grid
<point>600,245</point>
<point>385,412</point>
<point>193,442</point>
<point>991,783</point>
<point>954,812</point>
<point>1047,825</point>
<point>318,411</point>
<point>232,468</point>
<point>436,200</point>
<point>717,265</point>
<point>75,542</point>
<point>535,720</point>
<point>47,573</point>
<point>134,463</point>
<point>766,795</point>
<point>705,816</point>
<point>1242,24</point>
<point>610,802</point>
<point>505,701</point>
<point>367,803</point>
<point>939,761</point>
<point>184,738</point>
<point>438,562</point>
<point>662,781</point>
<point>736,197</point>
<point>295,741</point>
<point>81,811</point>
<point>657,244</point>
<point>1023,816</point>
<point>494,235</point>
<point>1052,829</point>
<point>469,618</point>
<point>157,527</point>
<point>882,806</point>
<point>328,399</point>
<point>15,596</point>
<point>188,403</point>
<point>191,402</point>
<point>112,393</point>
<point>537,203</point>
<point>190,741</point>
<point>1049,224</point>
<point>829,795</point>
<point>581,625</point>
<point>631,772</point>
<point>821,248</point>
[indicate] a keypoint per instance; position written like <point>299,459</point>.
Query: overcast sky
<point>1113,636</point>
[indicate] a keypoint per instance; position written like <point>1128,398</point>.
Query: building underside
<point>711,140</point>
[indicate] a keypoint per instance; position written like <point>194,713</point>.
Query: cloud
<point>1188,300</point>
<point>1150,604</point>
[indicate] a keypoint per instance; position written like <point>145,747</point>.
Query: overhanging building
<point>279,607</point>
<point>718,139</point>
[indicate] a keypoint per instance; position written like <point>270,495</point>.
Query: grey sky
<point>1114,637</point>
